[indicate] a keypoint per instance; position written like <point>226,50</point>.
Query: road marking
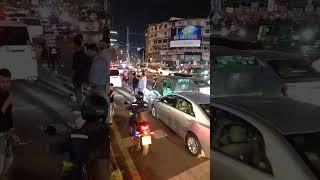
<point>157,134</point>
<point>131,167</point>
<point>201,171</point>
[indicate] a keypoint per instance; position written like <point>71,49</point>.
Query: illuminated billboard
<point>189,36</point>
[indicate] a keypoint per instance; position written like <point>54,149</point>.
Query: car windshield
<point>32,22</point>
<point>306,146</point>
<point>293,69</point>
<point>206,108</point>
<point>185,85</point>
<point>114,73</point>
<point>14,36</point>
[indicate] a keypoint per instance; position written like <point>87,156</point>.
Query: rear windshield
<point>14,36</point>
<point>309,150</point>
<point>114,73</point>
<point>32,22</point>
<point>293,69</point>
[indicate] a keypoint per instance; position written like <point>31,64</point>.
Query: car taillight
<point>284,90</point>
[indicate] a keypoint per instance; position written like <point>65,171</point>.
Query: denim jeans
<point>6,154</point>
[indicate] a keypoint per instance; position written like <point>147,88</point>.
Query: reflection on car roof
<point>272,55</point>
<point>286,115</point>
<point>196,97</point>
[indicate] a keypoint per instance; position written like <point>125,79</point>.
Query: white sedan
<point>167,71</point>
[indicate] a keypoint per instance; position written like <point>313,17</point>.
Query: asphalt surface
<point>167,159</point>
<point>36,106</point>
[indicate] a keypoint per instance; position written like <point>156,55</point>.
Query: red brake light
<point>284,91</point>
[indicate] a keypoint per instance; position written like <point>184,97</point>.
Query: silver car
<point>259,138</point>
<point>188,114</point>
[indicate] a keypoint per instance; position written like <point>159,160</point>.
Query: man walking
<point>135,81</point>
<point>6,124</point>
<point>80,69</point>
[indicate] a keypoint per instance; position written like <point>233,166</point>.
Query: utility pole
<point>128,44</point>
<point>107,24</point>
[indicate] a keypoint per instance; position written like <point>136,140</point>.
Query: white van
<point>16,51</point>
<point>34,25</point>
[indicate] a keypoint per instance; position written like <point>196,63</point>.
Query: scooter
<point>141,131</point>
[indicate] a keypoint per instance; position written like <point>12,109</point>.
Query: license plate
<point>146,140</point>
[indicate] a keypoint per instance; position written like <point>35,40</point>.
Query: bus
<point>16,51</point>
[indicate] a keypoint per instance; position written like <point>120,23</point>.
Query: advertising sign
<point>189,36</point>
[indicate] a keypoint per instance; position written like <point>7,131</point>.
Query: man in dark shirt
<point>6,125</point>
<point>80,68</point>
<point>135,81</point>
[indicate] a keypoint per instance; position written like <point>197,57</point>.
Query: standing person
<point>145,80</point>
<point>6,124</point>
<point>140,84</point>
<point>154,80</point>
<point>98,78</point>
<point>135,81</point>
<point>80,68</point>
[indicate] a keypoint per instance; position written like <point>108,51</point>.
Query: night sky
<point>139,13</point>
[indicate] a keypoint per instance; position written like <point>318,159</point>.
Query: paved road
<point>34,107</point>
<point>167,159</point>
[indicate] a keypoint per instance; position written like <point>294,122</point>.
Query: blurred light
<point>113,32</point>
<point>113,40</point>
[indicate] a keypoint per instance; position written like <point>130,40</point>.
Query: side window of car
<point>185,106</point>
<point>170,100</point>
<point>238,139</point>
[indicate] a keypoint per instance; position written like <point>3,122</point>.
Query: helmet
<point>94,108</point>
<point>139,96</point>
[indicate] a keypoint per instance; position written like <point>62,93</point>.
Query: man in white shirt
<point>145,80</point>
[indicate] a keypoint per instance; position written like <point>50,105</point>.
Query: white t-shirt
<point>144,79</point>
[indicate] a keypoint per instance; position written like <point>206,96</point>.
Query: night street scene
<point>265,93</point>
<point>78,76</point>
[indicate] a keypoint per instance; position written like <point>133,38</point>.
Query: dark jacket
<point>5,118</point>
<point>81,66</point>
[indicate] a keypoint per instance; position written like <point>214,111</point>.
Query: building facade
<point>159,37</point>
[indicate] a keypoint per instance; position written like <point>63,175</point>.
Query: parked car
<point>264,138</point>
<point>187,114</point>
<point>166,71</point>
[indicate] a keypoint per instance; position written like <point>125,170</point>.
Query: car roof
<point>286,115</point>
<point>11,24</point>
<point>196,97</point>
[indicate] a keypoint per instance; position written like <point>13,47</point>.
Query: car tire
<point>192,144</point>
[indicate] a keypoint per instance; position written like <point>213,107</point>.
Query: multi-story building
<point>162,45</point>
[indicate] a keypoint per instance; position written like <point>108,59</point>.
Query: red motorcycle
<point>142,133</point>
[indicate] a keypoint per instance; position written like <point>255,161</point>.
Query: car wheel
<point>192,144</point>
<point>153,112</point>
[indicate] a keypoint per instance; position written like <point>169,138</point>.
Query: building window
<point>207,31</point>
<point>165,41</point>
<point>159,41</point>
<point>160,26</point>
<point>151,35</point>
<point>155,42</point>
<point>165,33</point>
<point>155,35</point>
<point>155,28</point>
<point>166,25</point>
<point>208,23</point>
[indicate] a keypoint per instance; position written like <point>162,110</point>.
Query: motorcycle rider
<point>89,144</point>
<point>135,109</point>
